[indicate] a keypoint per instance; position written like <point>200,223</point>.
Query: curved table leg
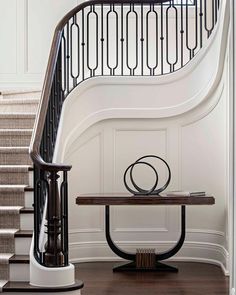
<point>114,248</point>
<point>132,257</point>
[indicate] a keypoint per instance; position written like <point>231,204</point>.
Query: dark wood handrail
<point>43,105</point>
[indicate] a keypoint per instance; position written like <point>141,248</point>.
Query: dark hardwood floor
<point>192,279</point>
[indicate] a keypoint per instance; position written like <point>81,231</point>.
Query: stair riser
<point>15,158</point>
<point>22,245</point>
<point>21,123</point>
<point>19,272</point>
<point>29,199</point>
<point>23,221</point>
<point>15,140</point>
<point>26,221</point>
<point>9,220</point>
<point>12,199</point>
<point>14,178</point>
<point>19,108</point>
<point>24,199</point>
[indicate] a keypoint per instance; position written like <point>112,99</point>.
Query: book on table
<point>183,194</point>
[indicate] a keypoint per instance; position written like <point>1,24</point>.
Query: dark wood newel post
<point>53,255</point>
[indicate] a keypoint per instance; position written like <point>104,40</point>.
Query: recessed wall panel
<point>85,177</point>
<point>204,166</point>
<point>8,36</point>
<point>42,18</point>
<point>129,145</point>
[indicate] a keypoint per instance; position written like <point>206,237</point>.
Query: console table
<point>144,260</point>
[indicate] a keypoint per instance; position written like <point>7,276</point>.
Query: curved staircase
<point>70,64</point>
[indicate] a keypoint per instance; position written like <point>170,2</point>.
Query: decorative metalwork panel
<point>134,39</point>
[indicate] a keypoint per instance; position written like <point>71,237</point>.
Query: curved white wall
<point>109,122</point>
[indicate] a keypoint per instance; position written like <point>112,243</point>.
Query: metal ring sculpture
<point>153,190</point>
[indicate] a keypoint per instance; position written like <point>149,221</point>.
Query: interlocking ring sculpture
<point>153,190</point>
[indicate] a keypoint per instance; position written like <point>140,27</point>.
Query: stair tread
<point>15,148</point>
<point>24,234</point>
<point>10,208</point>
<point>26,210</point>
<point>28,189</point>
<point>19,100</point>
<point>26,287</point>
<point>16,91</point>
<point>16,131</point>
<point>16,187</point>
<point>15,168</point>
<point>20,208</point>
<point>19,259</point>
<point>17,115</point>
<point>4,231</point>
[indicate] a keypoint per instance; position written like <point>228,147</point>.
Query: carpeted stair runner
<point>17,121</point>
<point>4,265</point>
<point>12,195</point>
<point>13,174</point>
<point>7,242</point>
<point>16,124</point>
<point>14,156</point>
<point>15,137</point>
<point>10,217</point>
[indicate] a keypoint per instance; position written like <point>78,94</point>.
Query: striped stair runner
<point>17,117</point>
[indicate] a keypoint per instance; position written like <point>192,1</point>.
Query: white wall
<point>26,30</point>
<point>108,123</point>
<point>196,150</point>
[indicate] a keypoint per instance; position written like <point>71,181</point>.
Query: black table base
<point>131,266</point>
<point>132,257</point>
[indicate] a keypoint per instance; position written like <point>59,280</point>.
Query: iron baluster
<point>201,25</point>
<point>162,40</point>
<point>182,35</point>
<point>83,44</point>
<point>102,41</point>
<point>122,39</point>
<point>74,27</point>
<point>155,64</point>
<point>141,40</point>
<point>67,59</point>
<point>167,36</point>
<point>196,28</point>
<point>109,65</point>
<point>130,67</point>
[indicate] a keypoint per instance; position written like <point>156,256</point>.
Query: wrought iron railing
<point>104,38</point>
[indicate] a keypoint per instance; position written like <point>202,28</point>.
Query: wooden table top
<point>125,199</point>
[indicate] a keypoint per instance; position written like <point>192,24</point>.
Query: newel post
<point>53,255</point>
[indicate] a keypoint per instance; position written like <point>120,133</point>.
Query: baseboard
<point>191,251</point>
